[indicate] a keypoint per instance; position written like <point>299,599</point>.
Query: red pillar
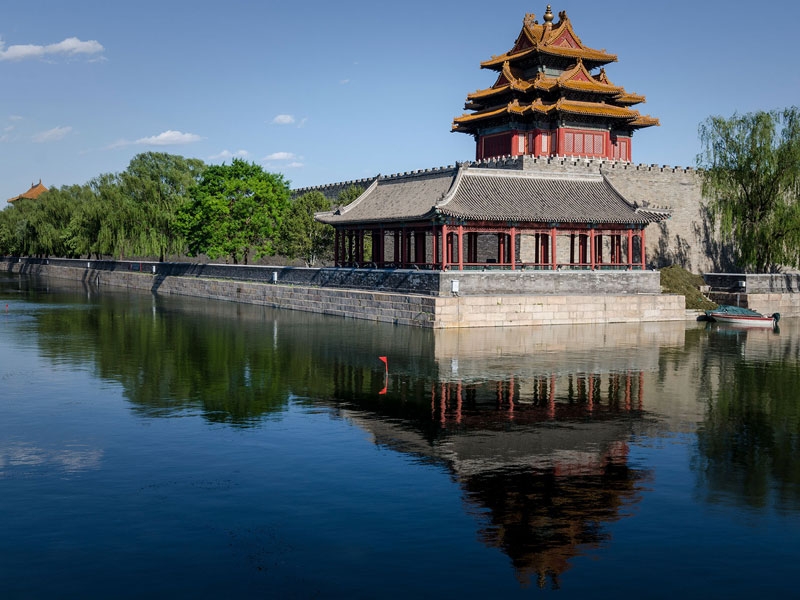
<point>513,248</point>
<point>377,247</point>
<point>572,248</point>
<point>641,244</point>
<point>598,248</point>
<point>460,247</point>
<point>419,247</point>
<point>630,249</point>
<point>592,260</point>
<point>445,248</point>
<point>553,257</point>
<point>501,248</point>
<point>434,246</point>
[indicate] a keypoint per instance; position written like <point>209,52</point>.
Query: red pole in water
<point>385,362</point>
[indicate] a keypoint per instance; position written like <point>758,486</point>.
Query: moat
<point>155,446</point>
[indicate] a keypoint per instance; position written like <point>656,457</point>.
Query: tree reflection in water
<point>533,424</point>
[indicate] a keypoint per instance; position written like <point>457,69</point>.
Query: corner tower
<point>552,97</point>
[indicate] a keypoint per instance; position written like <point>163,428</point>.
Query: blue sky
<point>334,91</point>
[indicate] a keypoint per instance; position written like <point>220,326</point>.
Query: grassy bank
<point>677,280</point>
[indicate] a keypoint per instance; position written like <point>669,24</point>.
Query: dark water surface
<point>172,447</point>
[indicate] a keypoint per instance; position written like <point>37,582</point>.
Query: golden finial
<point>548,16</point>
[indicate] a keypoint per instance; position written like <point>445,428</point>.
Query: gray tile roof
<point>485,194</point>
<point>500,195</point>
<point>408,197</point>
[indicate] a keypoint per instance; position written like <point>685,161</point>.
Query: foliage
<point>750,166</point>
<point>234,210</point>
<point>155,185</point>
<point>677,280</point>
<point>347,195</point>
<point>96,226</point>
<point>119,215</point>
<point>301,235</point>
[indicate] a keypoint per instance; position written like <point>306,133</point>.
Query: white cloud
<point>68,47</point>
<point>51,135</point>
<point>169,138</point>
<point>15,118</point>
<point>280,156</point>
<point>295,165</point>
<point>283,120</point>
<point>344,81</point>
<point>226,154</point>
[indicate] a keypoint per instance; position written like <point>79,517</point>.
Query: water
<point>173,446</point>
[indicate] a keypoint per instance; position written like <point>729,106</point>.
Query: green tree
<point>6,237</point>
<point>750,166</point>
<point>157,185</point>
<point>347,195</point>
<point>301,235</point>
<point>15,232</point>
<point>53,212</point>
<point>235,209</point>
<point>103,222</point>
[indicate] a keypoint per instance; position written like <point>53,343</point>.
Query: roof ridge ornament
<point>548,17</point>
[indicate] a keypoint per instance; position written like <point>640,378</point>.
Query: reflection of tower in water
<point>542,458</point>
<point>535,398</point>
<point>547,457</point>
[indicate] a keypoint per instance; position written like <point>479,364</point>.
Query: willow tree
<point>236,209</point>
<point>750,167</point>
<point>103,221</point>
<point>157,184</point>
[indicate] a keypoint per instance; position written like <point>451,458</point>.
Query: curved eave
<point>586,54</point>
<point>645,121</point>
<point>594,58</point>
<point>573,107</point>
<point>394,199</point>
<point>496,62</point>
<point>329,219</point>
<point>592,109</point>
<point>589,86</point>
<point>645,218</point>
<point>489,92</point>
<point>630,99</point>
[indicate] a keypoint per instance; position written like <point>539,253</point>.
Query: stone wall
<point>753,283</point>
<point>439,312</point>
<point>404,281</point>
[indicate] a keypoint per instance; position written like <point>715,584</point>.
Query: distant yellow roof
<point>34,192</point>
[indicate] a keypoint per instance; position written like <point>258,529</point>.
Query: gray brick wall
<point>688,238</point>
